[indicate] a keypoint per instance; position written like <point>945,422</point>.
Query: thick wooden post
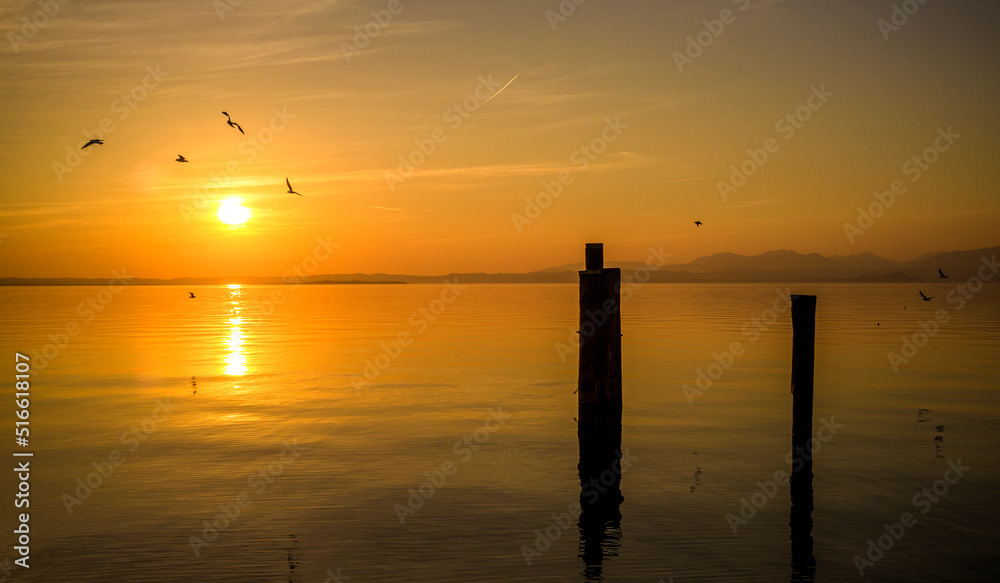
<point>599,389</point>
<point>801,481</point>
<point>600,377</point>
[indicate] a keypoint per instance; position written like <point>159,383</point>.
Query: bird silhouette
<point>232,123</point>
<point>941,274</point>
<point>181,158</point>
<point>697,223</point>
<point>92,142</point>
<point>290,189</point>
<point>191,296</point>
<point>926,299</point>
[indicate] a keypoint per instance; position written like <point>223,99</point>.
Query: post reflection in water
<point>801,523</point>
<point>601,466</point>
<point>235,359</point>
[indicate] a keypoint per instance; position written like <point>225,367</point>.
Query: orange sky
<point>640,125</point>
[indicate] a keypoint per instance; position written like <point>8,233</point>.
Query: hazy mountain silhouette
<point>771,260</point>
<point>959,265</point>
<point>866,260</point>
<point>574,267</point>
<point>773,266</point>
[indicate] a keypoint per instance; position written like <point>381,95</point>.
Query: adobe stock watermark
<point>713,29</point>
<point>258,481</point>
<point>913,168</point>
<point>420,320</point>
<point>331,577</point>
<point>581,159</point>
<point>626,287</point>
<point>123,105</point>
<point>6,569</point>
<point>363,35</point>
<point>589,494</point>
<point>297,274</point>
<point>453,117</point>
<point>787,126</point>
<point>248,150</point>
<point>750,505</point>
<point>105,468</point>
<point>753,329</point>
<point>463,448</point>
<point>899,16</point>
<point>563,11</point>
<point>88,309</point>
<point>222,7</point>
<point>924,500</point>
<point>30,27</point>
<point>293,276</point>
<point>929,328</point>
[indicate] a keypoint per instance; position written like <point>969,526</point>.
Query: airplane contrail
<point>494,95</point>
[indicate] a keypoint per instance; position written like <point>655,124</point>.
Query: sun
<point>232,212</point>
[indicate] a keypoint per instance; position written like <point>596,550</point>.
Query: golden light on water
<point>235,359</point>
<point>232,211</point>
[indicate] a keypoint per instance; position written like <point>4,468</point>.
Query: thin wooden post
<point>801,480</point>
<point>594,255</point>
<point>803,361</point>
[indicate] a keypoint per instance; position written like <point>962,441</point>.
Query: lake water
<point>231,409</point>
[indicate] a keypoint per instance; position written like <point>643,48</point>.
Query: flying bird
<point>232,123</point>
<point>181,158</point>
<point>697,223</point>
<point>92,142</point>
<point>941,274</point>
<point>192,295</point>
<point>290,189</point>
<point>926,299</point>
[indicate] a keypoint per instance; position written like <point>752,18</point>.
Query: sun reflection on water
<point>236,359</point>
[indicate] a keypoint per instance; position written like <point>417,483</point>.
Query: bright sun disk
<point>232,212</point>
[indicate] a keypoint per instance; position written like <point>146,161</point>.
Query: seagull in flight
<point>290,189</point>
<point>92,142</point>
<point>232,123</point>
<point>941,274</point>
<point>192,295</point>
<point>697,223</point>
<point>181,158</point>
<point>926,299</point>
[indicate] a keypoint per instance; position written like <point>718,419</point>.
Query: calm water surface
<point>245,379</point>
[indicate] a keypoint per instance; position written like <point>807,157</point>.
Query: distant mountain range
<point>790,266</point>
<point>772,266</point>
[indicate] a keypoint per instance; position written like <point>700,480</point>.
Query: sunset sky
<point>334,110</point>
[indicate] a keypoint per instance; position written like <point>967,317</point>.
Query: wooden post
<point>599,389</point>
<point>803,361</point>
<point>801,480</point>
<point>600,377</point>
<point>594,255</point>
